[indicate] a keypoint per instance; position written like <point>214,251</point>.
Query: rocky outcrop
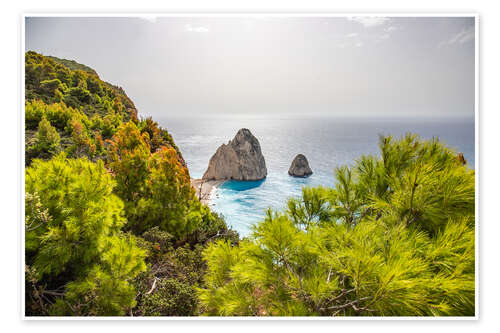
<point>300,167</point>
<point>239,159</point>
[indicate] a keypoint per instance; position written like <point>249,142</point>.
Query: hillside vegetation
<point>112,221</point>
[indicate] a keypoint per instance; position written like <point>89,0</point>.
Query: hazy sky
<point>274,65</point>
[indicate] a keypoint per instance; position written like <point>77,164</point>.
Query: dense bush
<point>167,288</point>
<point>80,136</point>
<point>395,237</point>
<point>175,269</point>
<point>53,80</point>
<point>83,145</point>
<point>45,144</point>
<point>58,114</point>
<point>155,186</point>
<point>170,298</point>
<point>80,263</point>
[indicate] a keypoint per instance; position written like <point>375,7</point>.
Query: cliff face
<point>239,159</point>
<point>300,167</point>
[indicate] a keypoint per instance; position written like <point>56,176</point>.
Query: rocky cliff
<point>239,159</point>
<point>300,167</point>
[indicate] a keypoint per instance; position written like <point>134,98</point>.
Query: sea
<point>327,143</point>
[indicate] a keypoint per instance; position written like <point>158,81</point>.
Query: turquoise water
<point>326,142</point>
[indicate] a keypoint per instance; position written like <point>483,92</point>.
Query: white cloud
<point>464,36</point>
<point>359,44</point>
<point>352,34</point>
<point>384,36</point>
<point>369,22</point>
<point>391,28</point>
<point>149,18</point>
<point>192,28</point>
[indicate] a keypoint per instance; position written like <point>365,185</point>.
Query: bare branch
<point>350,304</point>
<point>152,287</point>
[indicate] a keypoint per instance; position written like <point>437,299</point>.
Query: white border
<point>249,14</point>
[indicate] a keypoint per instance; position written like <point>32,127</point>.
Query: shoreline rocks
<point>239,159</point>
<point>300,167</point>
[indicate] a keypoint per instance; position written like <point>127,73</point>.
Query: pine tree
<point>395,237</point>
<point>78,259</point>
<point>155,187</point>
<point>82,143</point>
<point>46,142</point>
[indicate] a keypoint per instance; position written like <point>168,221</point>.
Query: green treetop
<point>46,142</point>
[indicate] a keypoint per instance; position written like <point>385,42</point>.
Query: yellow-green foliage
<point>395,237</point>
<point>85,110</point>
<point>45,143</point>
<point>58,114</point>
<point>78,257</point>
<point>155,186</point>
<point>426,184</point>
<point>80,135</point>
<point>53,80</point>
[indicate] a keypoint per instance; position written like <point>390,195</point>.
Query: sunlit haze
<point>211,66</point>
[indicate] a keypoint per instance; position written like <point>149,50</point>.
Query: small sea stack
<point>300,167</point>
<point>239,159</point>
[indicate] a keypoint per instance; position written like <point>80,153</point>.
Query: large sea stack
<point>240,159</point>
<point>300,167</point>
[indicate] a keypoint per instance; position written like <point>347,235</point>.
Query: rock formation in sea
<point>239,159</point>
<point>300,167</point>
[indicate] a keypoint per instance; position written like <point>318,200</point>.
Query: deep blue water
<point>326,142</point>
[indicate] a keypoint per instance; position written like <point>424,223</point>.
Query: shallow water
<point>326,142</point>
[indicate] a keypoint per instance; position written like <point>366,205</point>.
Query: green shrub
<point>80,260</point>
<point>169,298</point>
<point>155,187</point>
<point>46,142</point>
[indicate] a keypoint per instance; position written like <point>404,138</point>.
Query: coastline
<point>205,189</point>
